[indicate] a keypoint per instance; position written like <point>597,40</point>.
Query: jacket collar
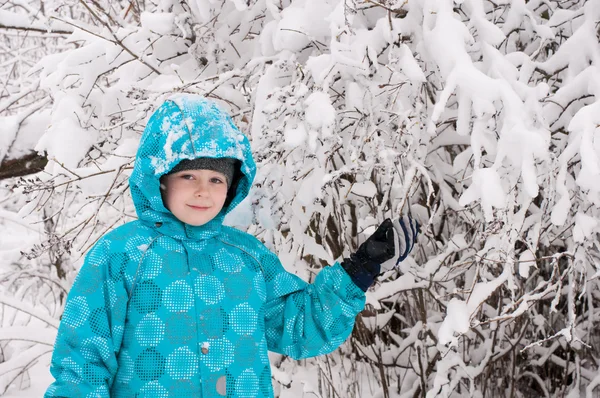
<point>176,229</point>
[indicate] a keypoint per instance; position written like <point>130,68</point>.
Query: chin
<point>195,220</point>
<point>198,223</point>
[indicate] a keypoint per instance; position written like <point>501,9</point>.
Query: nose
<point>201,188</point>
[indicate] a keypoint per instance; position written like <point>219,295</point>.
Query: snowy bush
<point>477,117</point>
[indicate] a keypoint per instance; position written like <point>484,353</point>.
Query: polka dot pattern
<point>246,350</point>
<point>204,264</point>
<point>125,373</point>
<point>258,285</point>
<point>180,329</point>
<point>149,365</point>
<point>175,264</point>
<point>95,348</point>
<point>76,313</point>
<point>99,392</point>
<point>227,262</point>
<point>150,331</point>
<point>99,322</point>
<point>213,322</point>
<point>94,374</point>
<point>246,385</point>
<point>118,266</point>
<point>178,297</point>
<point>244,319</point>
<point>91,280</point>
<point>153,265</point>
<point>209,288</point>
<point>220,354</point>
<point>73,372</point>
<point>153,390</point>
<point>148,297</point>
<point>109,287</point>
<point>238,287</point>
<point>182,364</point>
<point>184,388</point>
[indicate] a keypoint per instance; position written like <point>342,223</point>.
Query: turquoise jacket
<point>164,309</point>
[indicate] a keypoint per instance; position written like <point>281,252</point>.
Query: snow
<point>29,133</point>
<point>20,20</point>
<point>65,127</point>
<point>584,227</point>
<point>409,66</point>
<point>10,128</point>
<point>487,187</point>
<point>295,136</point>
<point>158,22</point>
<point>297,25</point>
<point>241,216</point>
<point>526,261</point>
<point>390,289</point>
<point>320,68</point>
<point>45,336</point>
<point>310,190</point>
<point>456,321</point>
<point>482,290</point>
<point>366,189</point>
<point>320,114</point>
<point>97,181</point>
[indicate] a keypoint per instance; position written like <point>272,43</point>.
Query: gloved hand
<point>405,234</point>
<point>389,245</point>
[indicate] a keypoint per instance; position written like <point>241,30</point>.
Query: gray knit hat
<point>225,166</point>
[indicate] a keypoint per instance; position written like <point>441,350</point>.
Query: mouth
<point>200,208</point>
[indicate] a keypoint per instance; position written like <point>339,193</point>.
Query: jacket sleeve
<point>84,361</point>
<point>304,320</point>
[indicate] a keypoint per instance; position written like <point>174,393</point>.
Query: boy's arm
<point>84,361</point>
<point>304,320</point>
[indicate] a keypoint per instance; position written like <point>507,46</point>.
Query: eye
<point>187,176</point>
<point>216,180</point>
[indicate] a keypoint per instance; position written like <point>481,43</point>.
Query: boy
<point>177,305</point>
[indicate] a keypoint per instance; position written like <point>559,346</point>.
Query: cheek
<point>167,197</point>
<point>174,194</point>
<point>221,194</point>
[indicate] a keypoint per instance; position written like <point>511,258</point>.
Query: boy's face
<point>194,196</point>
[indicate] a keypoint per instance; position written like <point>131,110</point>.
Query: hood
<point>186,127</point>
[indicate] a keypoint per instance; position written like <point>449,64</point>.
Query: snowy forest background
<point>481,118</point>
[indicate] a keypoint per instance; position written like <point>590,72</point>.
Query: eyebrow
<point>183,172</point>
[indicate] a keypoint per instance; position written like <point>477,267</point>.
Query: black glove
<point>405,231</point>
<point>389,245</point>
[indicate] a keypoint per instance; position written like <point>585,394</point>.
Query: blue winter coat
<point>164,309</point>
